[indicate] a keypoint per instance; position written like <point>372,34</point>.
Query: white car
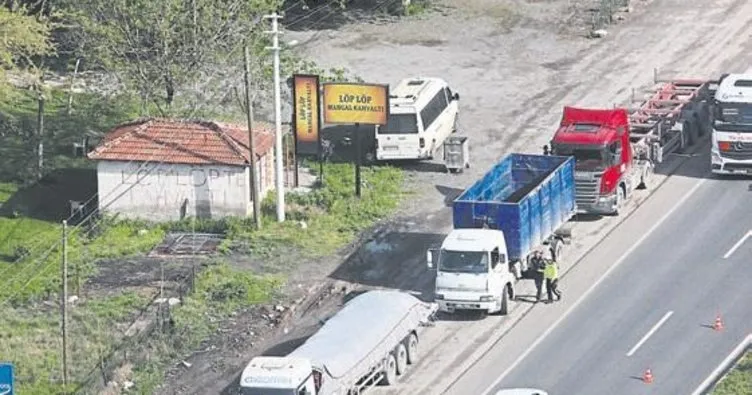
<point>522,391</point>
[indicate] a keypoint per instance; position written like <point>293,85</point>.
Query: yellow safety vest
<point>551,271</point>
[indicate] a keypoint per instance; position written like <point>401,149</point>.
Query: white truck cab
<point>422,114</point>
<point>473,272</point>
<point>277,376</point>
<point>731,149</point>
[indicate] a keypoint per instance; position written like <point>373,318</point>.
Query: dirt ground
<point>515,64</point>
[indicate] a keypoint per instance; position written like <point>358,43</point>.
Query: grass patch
<point>739,379</point>
<point>219,291</point>
<point>31,338</point>
<point>417,7</point>
<point>30,253</point>
<point>7,189</point>
<point>332,214</point>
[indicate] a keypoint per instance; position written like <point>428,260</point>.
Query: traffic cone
<point>718,324</point>
<point>647,377</point>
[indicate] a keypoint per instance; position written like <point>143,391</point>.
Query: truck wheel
<point>703,122</point>
<point>401,359</point>
<point>390,370</point>
<point>620,198</point>
<point>507,295</point>
<point>412,349</point>
<point>686,139</point>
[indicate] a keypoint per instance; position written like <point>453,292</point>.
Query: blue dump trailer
<point>527,197</point>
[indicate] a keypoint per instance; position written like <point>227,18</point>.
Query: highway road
<point>654,308</point>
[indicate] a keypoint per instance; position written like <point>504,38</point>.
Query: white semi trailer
<point>369,342</point>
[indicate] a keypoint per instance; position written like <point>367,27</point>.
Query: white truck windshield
<point>463,261</point>
<point>733,117</point>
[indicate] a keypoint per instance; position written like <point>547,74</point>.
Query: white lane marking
<point>621,259</point>
<point>723,366</point>
<point>738,244</point>
<point>650,333</point>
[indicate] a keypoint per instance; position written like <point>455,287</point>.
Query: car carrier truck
<point>520,205</point>
<point>616,149</point>
<point>370,341</point>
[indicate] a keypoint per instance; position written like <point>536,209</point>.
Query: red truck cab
<point>599,141</point>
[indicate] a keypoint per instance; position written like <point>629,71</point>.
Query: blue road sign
<point>6,379</point>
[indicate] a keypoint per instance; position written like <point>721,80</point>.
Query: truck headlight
<point>438,296</point>
<point>486,298</point>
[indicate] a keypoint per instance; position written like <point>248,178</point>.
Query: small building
<point>163,169</point>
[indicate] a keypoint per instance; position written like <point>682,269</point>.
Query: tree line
<point>157,49</point>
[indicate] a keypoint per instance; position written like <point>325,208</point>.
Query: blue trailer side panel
<point>528,197</point>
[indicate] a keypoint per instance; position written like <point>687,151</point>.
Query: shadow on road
<point>462,316</point>
<point>341,143</point>
<point>583,218</point>
<point>393,260</point>
<point>449,194</point>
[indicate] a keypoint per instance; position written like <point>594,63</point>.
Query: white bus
<point>731,150</point>
<point>422,114</point>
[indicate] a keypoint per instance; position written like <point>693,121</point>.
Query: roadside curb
<point>725,367</point>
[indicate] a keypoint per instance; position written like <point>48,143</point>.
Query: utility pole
<point>278,154</point>
<point>64,305</point>
<point>40,129</point>
<point>252,153</point>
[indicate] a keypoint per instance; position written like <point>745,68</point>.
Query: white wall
<point>161,192</point>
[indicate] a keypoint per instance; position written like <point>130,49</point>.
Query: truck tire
<point>687,138</point>
<point>621,197</point>
<point>390,370</point>
<point>401,357</point>
<point>506,297</point>
<point>412,349</point>
<point>703,113</point>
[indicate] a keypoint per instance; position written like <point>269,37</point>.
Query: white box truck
<point>370,341</point>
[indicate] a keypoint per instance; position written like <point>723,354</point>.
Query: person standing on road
<point>551,273</point>
<point>539,265</point>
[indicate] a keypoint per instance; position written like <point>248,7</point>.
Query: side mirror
<point>429,257</point>
<point>456,96</point>
<point>546,150</point>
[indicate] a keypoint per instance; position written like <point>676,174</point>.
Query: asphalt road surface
<point>654,310</point>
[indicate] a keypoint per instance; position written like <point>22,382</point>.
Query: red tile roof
<point>183,142</point>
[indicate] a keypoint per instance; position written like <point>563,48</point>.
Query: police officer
<point>539,265</point>
<point>551,273</point>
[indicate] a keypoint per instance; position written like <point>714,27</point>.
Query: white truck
<point>731,149</point>
<point>369,342</point>
<point>520,205</point>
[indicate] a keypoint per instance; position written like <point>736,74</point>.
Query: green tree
<point>164,49</point>
<point>23,38</point>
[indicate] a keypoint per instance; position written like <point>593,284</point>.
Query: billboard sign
<point>306,114</point>
<point>354,103</point>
